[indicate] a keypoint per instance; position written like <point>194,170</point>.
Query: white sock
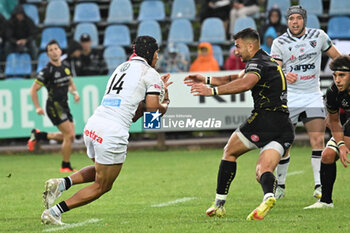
<point>62,185</point>
<point>267,195</point>
<point>55,211</point>
<point>220,199</point>
<point>316,165</point>
<point>281,170</point>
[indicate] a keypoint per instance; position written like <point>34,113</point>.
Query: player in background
<point>268,128</point>
<point>133,87</point>
<point>338,146</point>
<point>57,79</point>
<point>299,52</point>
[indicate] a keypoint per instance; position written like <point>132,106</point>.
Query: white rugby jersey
<point>126,88</point>
<point>303,57</point>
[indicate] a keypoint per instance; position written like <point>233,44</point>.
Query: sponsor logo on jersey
<point>313,43</point>
<point>67,71</point>
<point>93,135</point>
<point>302,50</point>
<point>151,120</point>
<point>303,67</point>
<point>125,67</point>
<point>344,103</point>
<point>157,86</point>
<point>254,138</point>
<point>300,45</point>
<point>307,77</point>
<point>292,58</point>
<point>306,56</point>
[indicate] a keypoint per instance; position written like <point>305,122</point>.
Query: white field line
<point>68,226</point>
<point>174,202</point>
<point>295,173</point>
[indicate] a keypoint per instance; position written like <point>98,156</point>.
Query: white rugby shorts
<point>105,141</point>
<point>310,103</point>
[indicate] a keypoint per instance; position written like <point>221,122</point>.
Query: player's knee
<point>228,154</point>
<point>257,173</point>
<point>328,156</point>
<point>317,142</point>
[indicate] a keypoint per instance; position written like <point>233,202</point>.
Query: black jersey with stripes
<point>56,80</point>
<point>270,93</point>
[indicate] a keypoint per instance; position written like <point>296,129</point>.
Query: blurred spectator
<point>242,8</point>
<point>205,60</point>
<point>172,61</point>
<point>269,36</point>
<point>274,20</point>
<point>72,58</point>
<point>3,23</point>
<point>20,34</point>
<point>216,8</point>
<point>91,59</point>
<point>234,62</point>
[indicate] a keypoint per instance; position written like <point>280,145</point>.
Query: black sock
<point>67,182</point>
<point>328,175</point>
<point>65,165</point>
<point>268,182</point>
<point>41,136</point>
<point>226,174</point>
<point>62,206</point>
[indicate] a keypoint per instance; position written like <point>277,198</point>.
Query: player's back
<point>125,89</point>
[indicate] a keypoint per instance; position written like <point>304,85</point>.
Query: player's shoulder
<point>283,40</point>
<point>314,33</point>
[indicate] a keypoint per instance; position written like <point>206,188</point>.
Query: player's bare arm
<point>73,90</point>
<point>338,135</point>
<point>333,52</point>
<point>246,83</point>
<point>214,81</point>
<point>34,94</point>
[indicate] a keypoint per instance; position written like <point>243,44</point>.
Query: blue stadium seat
<point>185,9</point>
<point>218,55</point>
<point>339,27</point>
<point>282,4</point>
<point>114,56</point>
<point>184,50</point>
<point>87,12</point>
<point>181,31</point>
<point>213,31</point>
<point>339,7</point>
<point>120,11</point>
<point>56,33</point>
<point>18,64</point>
<point>32,12</point>
<point>88,28</point>
<point>34,1</point>
<point>43,59</point>
<point>150,28</point>
<point>57,14</point>
<point>152,10</point>
<point>117,35</point>
<point>313,22</point>
<point>314,7</point>
<point>242,23</point>
<point>60,0</point>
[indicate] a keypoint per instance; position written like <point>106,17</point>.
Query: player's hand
<point>201,89</point>
<point>40,111</point>
<point>343,151</point>
<point>76,98</point>
<point>194,78</point>
<point>165,79</point>
<point>291,77</point>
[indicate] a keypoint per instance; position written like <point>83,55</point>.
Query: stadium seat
<point>87,12</point>
<point>184,50</point>
<point>242,23</point>
<point>218,55</point>
<point>88,28</point>
<point>150,28</point>
<point>185,9</point>
<point>32,12</point>
<point>57,14</point>
<point>114,56</point>
<point>180,31</point>
<point>43,59</point>
<point>18,64</point>
<point>313,22</point>
<point>34,1</point>
<point>314,7</point>
<point>60,0</point>
<point>339,7</point>
<point>339,27</point>
<point>117,35</point>
<point>56,33</point>
<point>282,4</point>
<point>152,10</point>
<point>212,31</point>
<point>120,11</point>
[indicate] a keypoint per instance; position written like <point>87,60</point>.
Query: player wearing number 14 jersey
<point>133,87</point>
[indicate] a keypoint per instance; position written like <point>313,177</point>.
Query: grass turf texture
<point>151,177</point>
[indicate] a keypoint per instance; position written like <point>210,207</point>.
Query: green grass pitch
<point>151,178</point>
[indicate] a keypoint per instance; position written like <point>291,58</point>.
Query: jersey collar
<point>297,38</point>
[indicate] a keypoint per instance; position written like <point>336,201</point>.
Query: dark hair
<point>51,42</point>
<point>247,33</point>
<point>341,63</point>
<point>145,46</point>
<point>73,46</point>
